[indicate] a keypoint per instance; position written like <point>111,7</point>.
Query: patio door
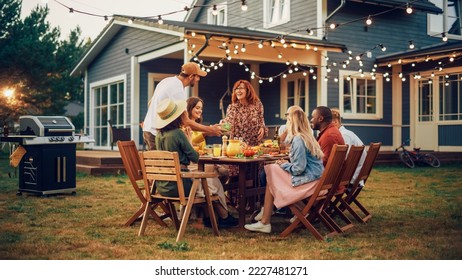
<point>426,129</point>
<point>294,91</point>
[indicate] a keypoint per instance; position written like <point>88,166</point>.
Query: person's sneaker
<point>259,216</point>
<point>258,226</point>
<point>229,222</point>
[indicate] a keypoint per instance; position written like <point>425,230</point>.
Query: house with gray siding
<point>354,55</point>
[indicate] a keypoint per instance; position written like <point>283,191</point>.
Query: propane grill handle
<point>60,130</point>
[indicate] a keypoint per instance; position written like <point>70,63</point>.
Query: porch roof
<point>422,5</point>
<point>209,38</point>
<point>433,52</point>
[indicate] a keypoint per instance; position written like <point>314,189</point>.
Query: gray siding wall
<point>303,15</point>
<point>114,60</point>
<point>393,29</point>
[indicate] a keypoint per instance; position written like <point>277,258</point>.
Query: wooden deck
<point>109,162</point>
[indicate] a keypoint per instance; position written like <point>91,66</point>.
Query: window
<point>450,97</point>
<point>294,89</point>
<point>448,22</point>
<point>217,17</point>
<point>276,12</point>
<point>360,95</point>
<point>108,104</point>
<point>425,101</point>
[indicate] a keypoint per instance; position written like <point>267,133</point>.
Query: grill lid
<point>46,126</point>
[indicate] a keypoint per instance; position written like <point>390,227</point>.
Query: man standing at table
<point>174,88</point>
<point>329,135</point>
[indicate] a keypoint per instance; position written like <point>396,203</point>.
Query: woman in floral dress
<point>245,114</point>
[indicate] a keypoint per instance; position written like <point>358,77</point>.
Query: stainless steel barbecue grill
<point>49,165</point>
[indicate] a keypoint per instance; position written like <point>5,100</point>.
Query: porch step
<point>99,162</point>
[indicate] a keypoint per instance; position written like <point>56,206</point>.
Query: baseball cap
<point>191,68</point>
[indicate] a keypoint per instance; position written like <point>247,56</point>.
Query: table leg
<point>242,195</point>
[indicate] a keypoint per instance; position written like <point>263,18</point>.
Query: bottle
<point>224,145</point>
<point>276,137</point>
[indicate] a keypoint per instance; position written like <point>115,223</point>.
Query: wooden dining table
<point>245,166</point>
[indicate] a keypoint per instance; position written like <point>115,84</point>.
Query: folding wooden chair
<point>345,202</point>
<point>313,205</point>
<point>165,166</point>
<point>343,180</point>
<point>131,161</point>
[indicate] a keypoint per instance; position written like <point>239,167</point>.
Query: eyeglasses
<point>239,88</point>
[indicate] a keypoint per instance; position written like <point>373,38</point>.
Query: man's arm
<point>212,130</point>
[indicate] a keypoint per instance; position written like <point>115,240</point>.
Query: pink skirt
<point>279,183</point>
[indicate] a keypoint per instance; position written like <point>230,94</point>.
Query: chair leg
<point>300,218</point>
<point>145,220</point>
<point>213,219</point>
<point>136,216</point>
<point>187,210</point>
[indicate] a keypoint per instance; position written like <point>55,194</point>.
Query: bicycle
<point>410,158</point>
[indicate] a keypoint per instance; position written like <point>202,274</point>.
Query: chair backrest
<point>347,171</point>
<point>372,153</point>
<point>162,166</point>
<point>349,167</point>
<point>332,170</point>
<point>130,158</point>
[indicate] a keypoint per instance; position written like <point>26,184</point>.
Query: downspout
<point>206,44</point>
<point>342,4</point>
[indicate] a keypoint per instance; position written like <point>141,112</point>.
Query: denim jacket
<point>303,166</point>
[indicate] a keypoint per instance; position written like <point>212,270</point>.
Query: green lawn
<point>416,215</point>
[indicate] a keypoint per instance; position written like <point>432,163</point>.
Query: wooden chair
<point>131,161</point>
<point>165,166</point>
<point>343,180</point>
<point>313,205</point>
<point>118,134</point>
<point>351,198</point>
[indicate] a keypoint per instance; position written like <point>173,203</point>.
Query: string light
<point>411,45</point>
<point>260,45</point>
<point>408,9</point>
<point>444,37</point>
<point>309,31</point>
<point>160,20</point>
<point>244,6</point>
<point>369,20</point>
<point>214,10</point>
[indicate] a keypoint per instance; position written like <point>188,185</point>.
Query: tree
<point>35,63</point>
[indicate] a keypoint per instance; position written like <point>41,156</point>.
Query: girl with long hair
<point>290,181</point>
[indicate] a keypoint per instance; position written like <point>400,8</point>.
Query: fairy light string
<point>349,63</point>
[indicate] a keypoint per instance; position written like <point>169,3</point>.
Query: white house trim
<point>162,52</point>
<point>135,98</point>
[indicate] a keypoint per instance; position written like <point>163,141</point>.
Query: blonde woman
<point>288,182</point>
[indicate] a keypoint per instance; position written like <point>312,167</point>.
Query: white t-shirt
<point>170,87</point>
<point>352,139</point>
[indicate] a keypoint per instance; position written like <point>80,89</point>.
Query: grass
<point>417,214</point>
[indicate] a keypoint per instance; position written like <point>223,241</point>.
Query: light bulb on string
<point>382,47</point>
<point>244,6</point>
<point>444,37</point>
<point>243,49</point>
<point>260,45</point>
<point>369,20</point>
<point>332,26</point>
<point>309,31</point>
<point>411,45</point>
<point>408,9</point>
<point>71,12</point>
<point>214,10</point>
<point>160,20</point>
